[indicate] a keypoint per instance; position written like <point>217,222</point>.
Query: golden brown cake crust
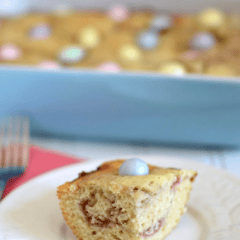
<point>107,174</point>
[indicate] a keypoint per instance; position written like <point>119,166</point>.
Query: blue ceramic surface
<point>124,107</point>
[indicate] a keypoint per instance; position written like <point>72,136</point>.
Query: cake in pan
<point>120,39</point>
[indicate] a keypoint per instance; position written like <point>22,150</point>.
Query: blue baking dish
<point>127,107</point>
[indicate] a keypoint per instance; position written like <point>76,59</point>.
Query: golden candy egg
<point>221,69</point>
<point>175,68</point>
<point>129,52</point>
<point>89,37</point>
<point>211,18</point>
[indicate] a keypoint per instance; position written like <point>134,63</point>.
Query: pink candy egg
<point>118,13</point>
<point>48,64</point>
<point>10,52</point>
<point>109,67</point>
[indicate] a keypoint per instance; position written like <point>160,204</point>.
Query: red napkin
<point>41,161</point>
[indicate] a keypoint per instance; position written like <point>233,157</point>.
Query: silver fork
<point>14,149</point>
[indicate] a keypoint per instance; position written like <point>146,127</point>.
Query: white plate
<point>31,212</point>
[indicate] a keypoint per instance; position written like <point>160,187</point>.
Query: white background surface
<point>91,151</point>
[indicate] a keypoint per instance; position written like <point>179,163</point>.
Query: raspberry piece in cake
<point>106,205</point>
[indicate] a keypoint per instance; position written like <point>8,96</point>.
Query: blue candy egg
<point>40,31</point>
<point>161,22</point>
<point>203,41</point>
<point>133,167</point>
<point>148,40</point>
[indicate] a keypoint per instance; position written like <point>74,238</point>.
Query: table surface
<point>92,151</point>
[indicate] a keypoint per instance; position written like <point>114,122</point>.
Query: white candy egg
<point>203,41</point>
<point>134,167</point>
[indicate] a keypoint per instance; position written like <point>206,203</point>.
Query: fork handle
<point>2,187</point>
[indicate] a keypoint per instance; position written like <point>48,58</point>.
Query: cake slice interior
<point>103,205</point>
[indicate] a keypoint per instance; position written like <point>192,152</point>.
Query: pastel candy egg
<point>118,13</point>
<point>211,18</point>
<point>161,22</point>
<point>129,52</point>
<point>48,64</point>
<point>10,52</point>
<point>109,67</point>
<point>148,40</point>
<point>203,41</point>
<point>13,8</point>
<point>175,68</point>
<point>133,167</point>
<point>72,54</point>
<point>40,31</point>
<point>89,37</point>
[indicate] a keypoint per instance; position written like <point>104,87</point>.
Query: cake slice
<point>103,204</point>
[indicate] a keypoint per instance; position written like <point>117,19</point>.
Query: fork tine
<point>16,133</point>
<point>9,140</point>
<point>2,133</point>
<point>14,148</point>
<point>25,137</point>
